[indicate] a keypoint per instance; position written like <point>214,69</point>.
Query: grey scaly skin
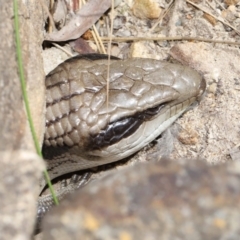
<point>84,131</point>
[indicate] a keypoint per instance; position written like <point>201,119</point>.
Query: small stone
<point>146,9</point>
<point>212,88</point>
<point>188,136</point>
<point>115,51</point>
<point>138,49</point>
<point>231,2</point>
<point>210,19</point>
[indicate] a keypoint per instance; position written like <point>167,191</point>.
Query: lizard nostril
<point>203,85</point>
<point>202,88</point>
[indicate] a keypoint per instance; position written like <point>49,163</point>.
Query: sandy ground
<point>208,132</point>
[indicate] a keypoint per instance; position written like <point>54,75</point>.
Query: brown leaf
<point>81,22</point>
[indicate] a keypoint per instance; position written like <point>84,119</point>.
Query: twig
<point>109,50</point>
<point>51,26</point>
<point>134,39</point>
<point>217,18</point>
<point>162,15</point>
<point>63,49</point>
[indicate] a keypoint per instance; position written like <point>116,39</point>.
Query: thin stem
<point>25,96</point>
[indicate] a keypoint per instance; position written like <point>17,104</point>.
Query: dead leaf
<point>81,22</point>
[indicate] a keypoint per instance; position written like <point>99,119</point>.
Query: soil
<point>207,132</point>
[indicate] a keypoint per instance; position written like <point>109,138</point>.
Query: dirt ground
<point>209,132</point>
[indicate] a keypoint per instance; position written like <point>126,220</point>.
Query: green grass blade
<point>25,96</point>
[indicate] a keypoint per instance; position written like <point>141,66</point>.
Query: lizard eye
<point>122,128</point>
